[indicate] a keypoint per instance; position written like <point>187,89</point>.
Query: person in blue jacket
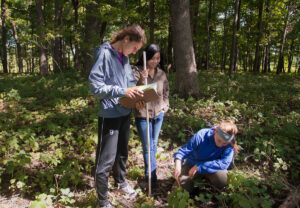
<point>208,153</point>
<point>110,78</point>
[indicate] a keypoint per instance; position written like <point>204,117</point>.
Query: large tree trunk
<point>42,49</point>
<point>194,10</point>
<point>91,36</point>
<point>151,21</point>
<point>186,71</point>
<point>256,66</point>
<point>280,64</point>
<point>19,48</point>
<point>233,42</point>
<point>4,37</point>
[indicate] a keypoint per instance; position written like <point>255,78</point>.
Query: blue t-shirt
<point>202,151</point>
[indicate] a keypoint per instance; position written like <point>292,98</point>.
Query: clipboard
<point>150,94</point>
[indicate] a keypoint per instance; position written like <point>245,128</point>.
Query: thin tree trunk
<point>233,43</point>
<point>290,56</point>
<point>76,52</point>
<point>151,21</point>
<point>57,49</point>
<point>4,37</point>
<point>170,49</point>
<point>236,58</point>
<point>264,60</point>
<point>280,64</point>
<point>208,34</point>
<point>19,48</point>
<point>269,58</point>
<point>186,71</point>
<point>259,36</point>
<point>224,43</point>
<point>124,8</point>
<point>42,49</point>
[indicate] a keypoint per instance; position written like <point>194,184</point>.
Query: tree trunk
<point>57,49</point>
<point>290,56</point>
<point>91,35</point>
<point>223,65</point>
<point>76,52</point>
<point>42,50</point>
<point>208,34</point>
<point>280,64</point>
<point>186,71</point>
<point>124,9</point>
<point>233,42</point>
<point>151,21</point>
<point>236,58</point>
<point>264,60</point>
<point>19,48</point>
<point>194,10</point>
<point>4,37</point>
<point>170,56</point>
<point>256,66</point>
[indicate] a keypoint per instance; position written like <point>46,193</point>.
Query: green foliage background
<point>49,132</point>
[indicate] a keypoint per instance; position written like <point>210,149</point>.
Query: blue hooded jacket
<point>109,79</point>
<point>202,151</point>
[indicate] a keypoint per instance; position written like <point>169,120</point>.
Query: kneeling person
<point>208,153</point>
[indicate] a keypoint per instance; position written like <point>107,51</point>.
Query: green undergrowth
<point>49,132</point>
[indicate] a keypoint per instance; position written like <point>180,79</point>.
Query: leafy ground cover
<point>49,132</point>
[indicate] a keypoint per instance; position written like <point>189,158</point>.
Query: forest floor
<point>48,135</point>
<point>87,197</point>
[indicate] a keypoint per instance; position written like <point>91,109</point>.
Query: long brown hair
<point>134,32</point>
<point>229,127</point>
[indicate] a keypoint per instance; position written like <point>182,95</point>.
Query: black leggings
<point>112,153</point>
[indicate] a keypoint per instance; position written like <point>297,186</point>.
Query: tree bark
<point>290,56</point>
<point>223,65</point>
<point>186,71</point>
<point>237,51</point>
<point>19,48</point>
<point>124,8</point>
<point>208,34</point>
<point>42,50</point>
<point>233,42</point>
<point>194,10</point>
<point>76,52</point>
<point>57,49</point>
<point>91,35</point>
<point>4,37</point>
<point>256,66</point>
<point>280,64</point>
<point>151,21</point>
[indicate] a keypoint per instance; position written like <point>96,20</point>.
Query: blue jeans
<point>154,129</point>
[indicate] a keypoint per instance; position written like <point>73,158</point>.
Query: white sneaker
<point>128,190</point>
<point>106,206</point>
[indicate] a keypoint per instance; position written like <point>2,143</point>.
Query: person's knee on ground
<point>218,179</point>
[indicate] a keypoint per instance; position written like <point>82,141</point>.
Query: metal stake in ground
<point>148,133</point>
